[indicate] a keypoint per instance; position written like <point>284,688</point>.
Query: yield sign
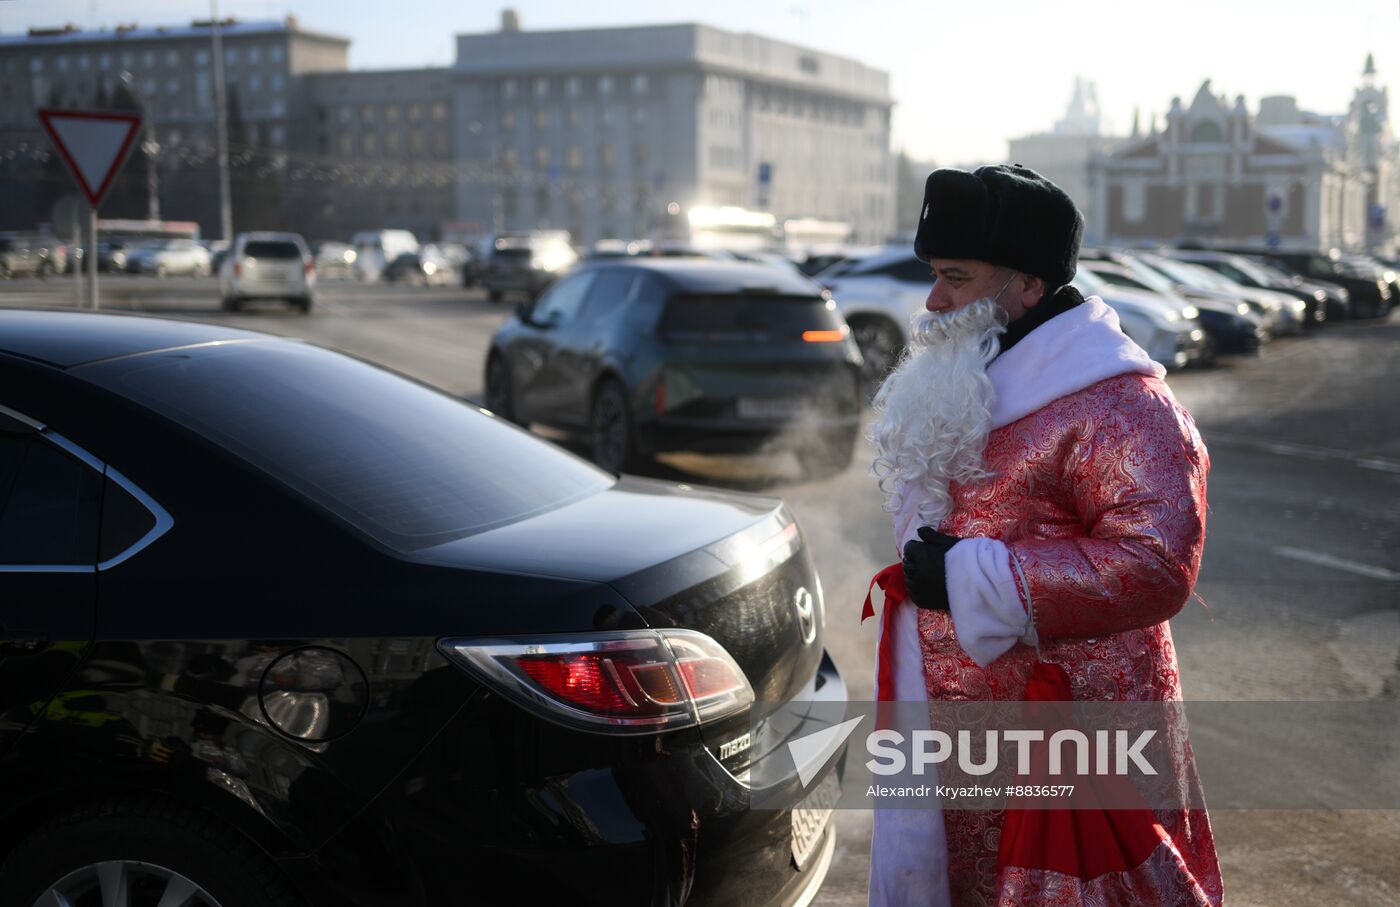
<point>94,145</point>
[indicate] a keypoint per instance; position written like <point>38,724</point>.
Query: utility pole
<point>150,146</point>
<point>221,126</point>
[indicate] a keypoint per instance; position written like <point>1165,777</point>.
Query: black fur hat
<point>1004,214</point>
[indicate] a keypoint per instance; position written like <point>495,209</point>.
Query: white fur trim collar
<point>1072,351</point>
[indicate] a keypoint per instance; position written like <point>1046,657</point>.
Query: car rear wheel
<point>140,851</point>
<point>232,304</point>
<point>613,443</point>
<point>498,391</point>
<point>303,305</point>
<point>880,347</point>
<point>827,455</point>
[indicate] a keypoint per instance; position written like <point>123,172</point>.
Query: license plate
<point>811,817</point>
<point>772,407</point>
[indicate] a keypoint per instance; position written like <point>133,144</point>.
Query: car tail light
<point>626,682</point>
<point>661,396</point>
<point>826,336</point>
<point>308,267</point>
<point>237,268</point>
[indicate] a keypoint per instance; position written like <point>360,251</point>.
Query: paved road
<point>1301,572</point>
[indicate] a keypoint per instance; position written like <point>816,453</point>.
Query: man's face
<point>961,281</point>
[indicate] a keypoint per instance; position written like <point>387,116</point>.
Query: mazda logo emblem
<point>806,615</point>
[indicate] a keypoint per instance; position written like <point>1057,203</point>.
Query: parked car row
<point>32,255</point>
<point>1184,306</point>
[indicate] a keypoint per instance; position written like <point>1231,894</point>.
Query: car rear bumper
<point>504,808</point>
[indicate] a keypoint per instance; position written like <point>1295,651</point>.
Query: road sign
<point>93,144</point>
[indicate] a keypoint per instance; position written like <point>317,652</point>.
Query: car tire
<point>827,455</point>
<point>881,345</point>
<point>495,295</point>
<point>498,392</point>
<point>302,304</point>
<point>232,304</point>
<point>153,846</point>
<point>612,441</point>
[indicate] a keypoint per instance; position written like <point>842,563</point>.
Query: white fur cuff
<point>987,611</point>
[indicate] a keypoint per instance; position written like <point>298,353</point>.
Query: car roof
<point>704,275</point>
<point>67,339</point>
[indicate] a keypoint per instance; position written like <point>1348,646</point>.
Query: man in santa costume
<point>1049,495</point>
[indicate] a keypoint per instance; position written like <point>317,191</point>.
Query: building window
<point>573,118</point>
<point>367,113</point>
<point>61,63</point>
<point>415,112</point>
<point>508,119</point>
<point>440,142</point>
<point>369,144</point>
<point>639,155</point>
<point>1207,133</point>
<point>255,54</point>
<point>391,144</point>
<point>574,161</point>
<point>541,158</point>
<point>128,60</point>
<point>274,53</point>
<point>541,89</point>
<point>276,82</point>
<point>391,113</point>
<point>439,111</point>
<point>605,86</point>
<point>541,118</point>
<point>203,93</point>
<point>279,108</point>
<point>150,86</point>
<point>231,55</point>
<point>573,86</point>
<point>606,157</point>
<point>277,135</point>
<point>201,57</point>
<point>345,144</point>
<point>36,64</point>
<point>510,159</point>
<point>255,83</point>
<point>172,86</point>
<point>172,58</point>
<point>508,89</point>
<point>344,113</point>
<point>84,62</point>
<point>415,141</point>
<point>639,116</point>
<point>640,84</point>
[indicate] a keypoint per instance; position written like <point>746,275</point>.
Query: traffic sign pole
<point>90,257</point>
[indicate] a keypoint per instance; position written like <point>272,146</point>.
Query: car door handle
<point>13,645</point>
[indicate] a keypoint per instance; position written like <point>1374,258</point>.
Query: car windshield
<point>1191,275</point>
<point>409,466</point>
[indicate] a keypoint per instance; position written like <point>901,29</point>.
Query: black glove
<point>924,571</point>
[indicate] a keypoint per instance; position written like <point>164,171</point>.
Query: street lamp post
<point>221,125</point>
<point>149,145</point>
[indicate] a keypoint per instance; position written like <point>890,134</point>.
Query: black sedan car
<point>282,628</point>
<point>655,354</point>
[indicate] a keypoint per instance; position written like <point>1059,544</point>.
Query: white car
<point>169,258</point>
<point>1156,324</point>
<point>268,266</point>
<point>879,295</point>
<point>375,249</point>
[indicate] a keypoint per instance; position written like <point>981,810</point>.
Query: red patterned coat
<point>1100,498</point>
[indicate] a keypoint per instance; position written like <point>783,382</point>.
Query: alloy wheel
<point>125,883</point>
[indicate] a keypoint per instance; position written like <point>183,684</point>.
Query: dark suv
<point>651,355</point>
<point>1371,295</point>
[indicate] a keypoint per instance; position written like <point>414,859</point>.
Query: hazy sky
<point>966,76</point>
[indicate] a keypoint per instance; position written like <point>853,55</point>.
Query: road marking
<point>1307,452</point>
<point>1337,563</point>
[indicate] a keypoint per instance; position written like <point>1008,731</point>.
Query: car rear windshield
<point>271,249</point>
<point>756,317</point>
<point>409,466</point>
<point>513,253</point>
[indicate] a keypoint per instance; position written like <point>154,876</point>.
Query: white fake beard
<point>934,411</point>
